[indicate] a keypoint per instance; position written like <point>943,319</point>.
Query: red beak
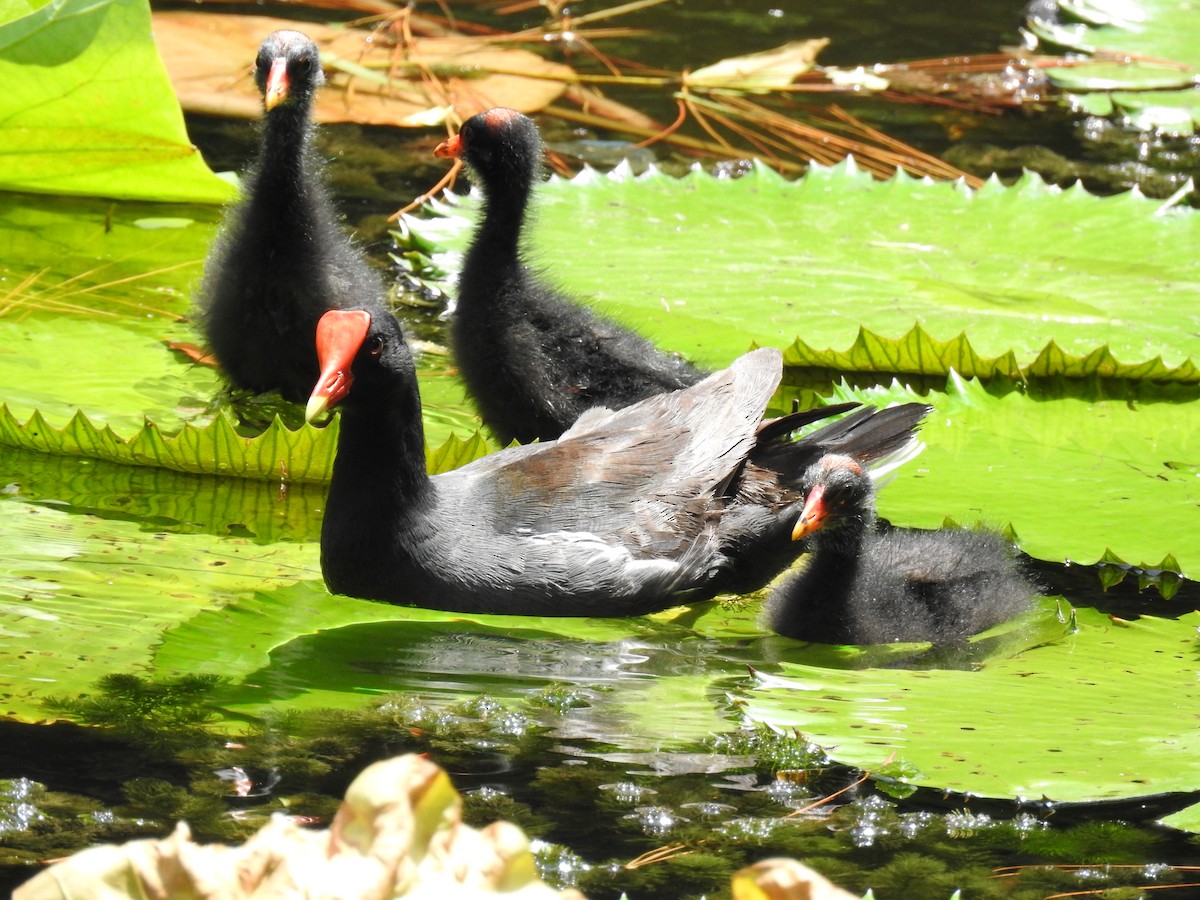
<point>277,84</point>
<point>812,517</point>
<point>340,335</point>
<point>451,149</point>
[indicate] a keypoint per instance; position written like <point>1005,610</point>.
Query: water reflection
<point>161,501</point>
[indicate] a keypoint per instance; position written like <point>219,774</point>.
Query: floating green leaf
<point>311,649</point>
<point>914,354</point>
<point>1045,723</point>
<point>303,456</point>
<point>1161,32</point>
<point>110,294</point>
<point>83,596</point>
<point>1110,76</point>
<point>1074,477</point>
<point>1162,29</point>
<point>456,452</point>
<point>88,108</point>
<point>1029,278</point>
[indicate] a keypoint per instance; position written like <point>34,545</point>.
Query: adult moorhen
<point>669,500</point>
<point>281,260</point>
<point>533,358</point>
<point>864,586</point>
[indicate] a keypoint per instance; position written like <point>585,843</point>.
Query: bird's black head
<point>502,145</point>
<point>367,353</point>
<point>839,501</point>
<point>288,69</point>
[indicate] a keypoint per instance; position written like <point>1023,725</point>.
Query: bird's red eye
<point>375,345</point>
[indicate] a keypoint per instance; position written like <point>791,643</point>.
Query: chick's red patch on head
<point>498,117</point>
<point>834,461</point>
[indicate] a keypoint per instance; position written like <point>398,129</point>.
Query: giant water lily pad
<point>103,290</point>
<point>1159,29</point>
<point>81,595</point>
<point>1077,479</point>
<point>1146,46</point>
<point>88,108</point>
<point>315,650</point>
<point>1068,721</point>
<point>759,259</point>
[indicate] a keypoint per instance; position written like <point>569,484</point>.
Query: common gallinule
<point>533,358</point>
<point>281,260</point>
<point>666,501</point>
<point>866,586</point>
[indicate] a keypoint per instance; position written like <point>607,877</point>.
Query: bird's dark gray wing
<point>644,476</point>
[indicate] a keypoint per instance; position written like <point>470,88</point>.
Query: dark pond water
<point>606,743</point>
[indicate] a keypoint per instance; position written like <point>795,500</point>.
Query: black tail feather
<point>871,434</point>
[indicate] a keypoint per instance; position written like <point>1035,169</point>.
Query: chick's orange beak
<point>812,517</point>
<point>450,149</point>
<point>340,334</point>
<point>277,84</point>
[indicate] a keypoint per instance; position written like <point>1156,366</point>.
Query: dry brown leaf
<point>765,71</point>
<point>196,354</point>
<point>208,57</point>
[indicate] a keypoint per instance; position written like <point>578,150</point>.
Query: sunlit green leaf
<point>1160,29</point>
<point>87,368</point>
<point>1185,820</point>
<point>312,649</point>
<point>456,452</point>
<point>217,448</point>
<point>88,108</point>
<point>1044,723</point>
<point>305,455</point>
<point>994,279</point>
<point>1073,476</point>
<point>1161,32</point>
<point>82,596</point>
<point>1110,76</point>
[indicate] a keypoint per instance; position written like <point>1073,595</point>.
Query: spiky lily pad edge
<point>918,353</point>
<point>304,455</point>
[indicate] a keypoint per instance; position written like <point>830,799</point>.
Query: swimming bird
<point>667,501</point>
<point>861,585</point>
<point>532,357</point>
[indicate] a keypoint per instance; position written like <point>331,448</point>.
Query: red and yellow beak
<point>340,335</point>
<point>450,149</point>
<point>277,84</point>
<point>812,517</point>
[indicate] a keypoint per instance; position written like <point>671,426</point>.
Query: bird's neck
<point>494,254</point>
<point>836,557</point>
<point>286,158</point>
<point>379,477</point>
